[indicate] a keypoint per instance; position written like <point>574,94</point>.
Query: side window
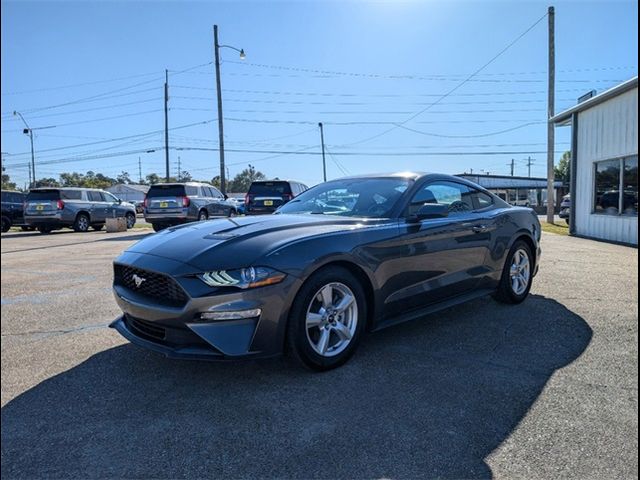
<point>457,197</point>
<point>216,193</point>
<point>108,197</point>
<point>483,200</point>
<point>205,191</point>
<point>95,196</point>
<point>191,191</point>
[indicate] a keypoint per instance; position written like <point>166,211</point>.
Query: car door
<point>98,207</point>
<point>112,206</point>
<point>219,207</point>
<point>436,258</point>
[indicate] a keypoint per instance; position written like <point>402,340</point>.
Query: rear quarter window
<point>71,194</point>
<point>483,200</point>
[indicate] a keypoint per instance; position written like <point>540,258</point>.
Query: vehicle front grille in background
<point>162,288</point>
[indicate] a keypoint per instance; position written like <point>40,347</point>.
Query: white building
<point>129,192</point>
<point>604,164</point>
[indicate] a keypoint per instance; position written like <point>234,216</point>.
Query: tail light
<point>246,200</point>
<point>60,204</point>
<point>145,204</point>
<point>287,196</point>
<point>186,201</point>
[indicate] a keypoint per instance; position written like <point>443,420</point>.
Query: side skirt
<point>436,307</point>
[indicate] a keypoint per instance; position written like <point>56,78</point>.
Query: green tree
<point>124,178</point>
<point>47,182</point>
<point>562,171</point>
<point>242,181</point>
<point>7,184</point>
<point>215,181</point>
<point>153,178</point>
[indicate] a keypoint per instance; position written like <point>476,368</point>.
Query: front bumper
<point>177,331</point>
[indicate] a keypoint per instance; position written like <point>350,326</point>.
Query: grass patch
<point>142,225</point>
<point>557,228</point>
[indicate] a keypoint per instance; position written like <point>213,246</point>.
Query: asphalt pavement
<point>545,389</point>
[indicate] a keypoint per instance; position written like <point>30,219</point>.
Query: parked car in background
<point>565,208</point>
<point>346,256</point>
<point>168,204</point>
<point>50,209</point>
<point>265,196</point>
<point>239,203</point>
<point>12,210</point>
<point>139,206</point>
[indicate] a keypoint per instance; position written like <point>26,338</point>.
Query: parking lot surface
<point>545,389</point>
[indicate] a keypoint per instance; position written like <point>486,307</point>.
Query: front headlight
<point>250,277</point>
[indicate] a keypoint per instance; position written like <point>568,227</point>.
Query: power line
<point>466,136</point>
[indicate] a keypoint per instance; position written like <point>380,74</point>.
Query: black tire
<point>25,228</point>
<point>6,224</point>
<point>82,223</point>
<point>44,230</point>
<point>232,212</point>
<point>298,339</point>
<point>131,220</point>
<point>158,226</point>
<point>98,227</point>
<point>203,216</point>
<point>506,292</point>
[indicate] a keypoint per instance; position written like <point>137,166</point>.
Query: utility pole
<point>471,171</point>
<point>324,163</point>
<point>179,172</point>
<point>550,113</point>
<point>166,124</point>
<point>216,45</point>
<point>512,166</point>
<point>529,163</point>
<point>139,170</point>
<point>29,131</point>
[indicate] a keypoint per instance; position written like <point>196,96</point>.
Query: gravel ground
<point>544,389</point>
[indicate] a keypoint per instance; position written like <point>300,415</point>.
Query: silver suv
<point>168,204</point>
<point>50,209</point>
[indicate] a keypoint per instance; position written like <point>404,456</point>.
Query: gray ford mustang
<point>344,257</point>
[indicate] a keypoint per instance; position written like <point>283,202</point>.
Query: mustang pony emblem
<point>138,280</point>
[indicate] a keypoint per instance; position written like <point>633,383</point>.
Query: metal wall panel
<point>606,131</point>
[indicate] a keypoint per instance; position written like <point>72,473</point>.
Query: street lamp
<point>28,131</point>
<point>216,48</point>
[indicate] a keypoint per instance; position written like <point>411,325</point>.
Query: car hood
<point>240,241</point>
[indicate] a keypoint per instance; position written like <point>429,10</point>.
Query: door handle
<point>480,228</point>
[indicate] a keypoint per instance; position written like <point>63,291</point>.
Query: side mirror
<point>429,210</point>
<point>119,201</point>
<point>226,197</point>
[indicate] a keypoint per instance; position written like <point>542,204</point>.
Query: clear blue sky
<point>386,61</point>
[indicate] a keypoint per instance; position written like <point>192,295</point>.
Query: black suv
<point>168,204</point>
<point>266,196</point>
<point>12,208</point>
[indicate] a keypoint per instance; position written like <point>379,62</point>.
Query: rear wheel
<point>6,224</point>
<point>82,223</point>
<point>203,216</point>
<point>327,319</point>
<point>44,230</point>
<point>517,274</point>
<point>157,227</point>
<point>131,219</point>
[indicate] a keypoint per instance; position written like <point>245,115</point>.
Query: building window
<point>630,187</point>
<point>616,187</point>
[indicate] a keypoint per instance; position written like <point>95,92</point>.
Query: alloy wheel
<point>331,319</point>
<point>520,271</point>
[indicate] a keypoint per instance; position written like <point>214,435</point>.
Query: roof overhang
<point>564,118</point>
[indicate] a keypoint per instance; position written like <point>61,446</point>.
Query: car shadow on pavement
<point>431,398</point>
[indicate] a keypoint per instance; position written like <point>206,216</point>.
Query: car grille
<point>162,288</point>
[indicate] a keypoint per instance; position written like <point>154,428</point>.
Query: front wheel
<point>517,274</point>
<point>158,226</point>
<point>203,216</point>
<point>131,220</point>
<point>327,319</point>
<point>6,224</point>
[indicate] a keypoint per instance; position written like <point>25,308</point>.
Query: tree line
<point>240,183</point>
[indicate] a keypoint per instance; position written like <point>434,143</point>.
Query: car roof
<point>175,184</point>
<point>65,188</point>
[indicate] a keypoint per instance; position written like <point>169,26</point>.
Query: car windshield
<point>359,197</point>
